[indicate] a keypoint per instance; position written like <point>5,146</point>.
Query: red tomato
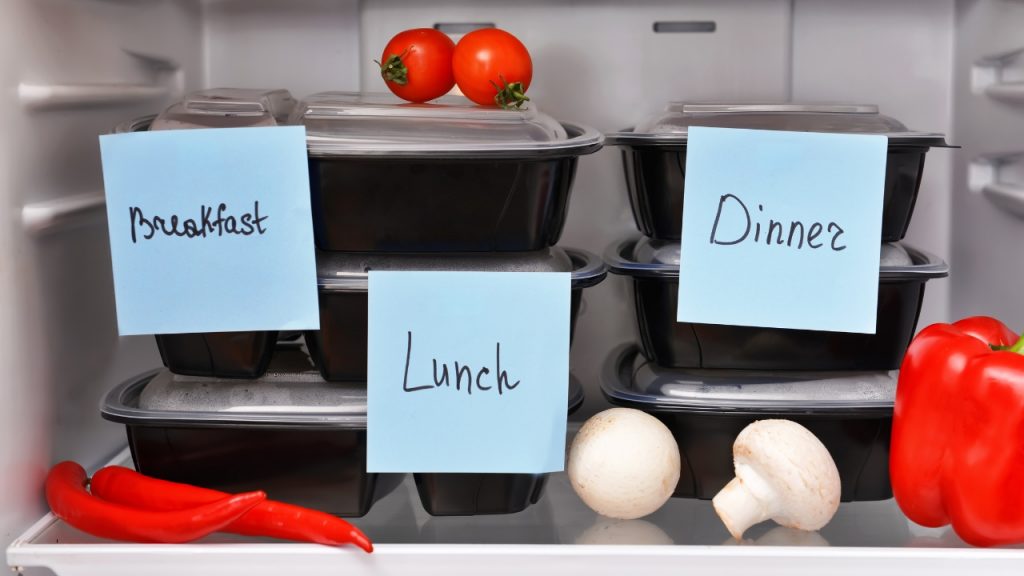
<point>492,67</point>
<point>417,64</point>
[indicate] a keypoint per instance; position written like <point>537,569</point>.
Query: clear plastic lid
<point>291,394</point>
<point>629,379</point>
<point>349,271</point>
<point>227,108</point>
<point>642,256</point>
<point>354,124</point>
<point>672,125</point>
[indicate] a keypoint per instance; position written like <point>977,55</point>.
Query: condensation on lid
<point>648,250</point>
<point>630,379</point>
<point>274,393</point>
<point>672,124</point>
<point>348,123</point>
<point>290,394</point>
<point>227,108</point>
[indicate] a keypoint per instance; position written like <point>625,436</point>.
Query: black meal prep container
<point>654,267</point>
<point>850,412</point>
<point>479,494</point>
<point>654,155</point>
<point>448,176</point>
<point>339,347</point>
<point>218,354</point>
<point>289,433</point>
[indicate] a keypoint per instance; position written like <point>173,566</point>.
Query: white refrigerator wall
<point>898,55</point>
<point>71,71</point>
<point>988,237</point>
<point>74,68</point>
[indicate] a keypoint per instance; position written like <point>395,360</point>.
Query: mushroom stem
<point>738,508</point>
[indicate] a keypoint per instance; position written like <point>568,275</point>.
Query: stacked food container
<point>394,186</point>
<point>706,382</point>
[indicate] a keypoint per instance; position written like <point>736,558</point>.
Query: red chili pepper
<point>958,431</point>
<point>268,518</point>
<point>71,502</point>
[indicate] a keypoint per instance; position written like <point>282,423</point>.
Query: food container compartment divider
<point>218,354</point>
<point>453,494</point>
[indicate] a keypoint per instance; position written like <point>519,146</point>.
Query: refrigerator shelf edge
<point>38,550</point>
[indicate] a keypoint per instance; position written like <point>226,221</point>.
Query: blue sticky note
<point>210,230</point>
<point>502,337</point>
<point>782,229</point>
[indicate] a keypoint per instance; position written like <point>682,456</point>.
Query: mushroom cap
<point>786,467</point>
<point>624,463</point>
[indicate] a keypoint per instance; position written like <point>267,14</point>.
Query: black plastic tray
<point>478,494</point>
<point>856,434</point>
<point>692,345</point>
<point>655,176</point>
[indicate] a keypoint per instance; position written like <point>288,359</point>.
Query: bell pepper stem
<point>1018,348</point>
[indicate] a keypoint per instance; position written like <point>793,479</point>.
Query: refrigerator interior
<point>72,69</point>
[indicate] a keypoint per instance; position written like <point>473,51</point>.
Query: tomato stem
<point>393,69</point>
<point>510,96</point>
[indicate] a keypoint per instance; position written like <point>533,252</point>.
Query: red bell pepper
<point>957,453</point>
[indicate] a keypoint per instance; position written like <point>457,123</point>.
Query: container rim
<point>617,376</point>
<point>777,108</point>
<point>581,140</point>
<point>628,137</point>
<point>140,124</point>
<point>121,405</point>
<point>926,265</point>
<point>588,270</point>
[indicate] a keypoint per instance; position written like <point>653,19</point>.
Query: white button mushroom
<point>624,463</point>
<point>783,473</point>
